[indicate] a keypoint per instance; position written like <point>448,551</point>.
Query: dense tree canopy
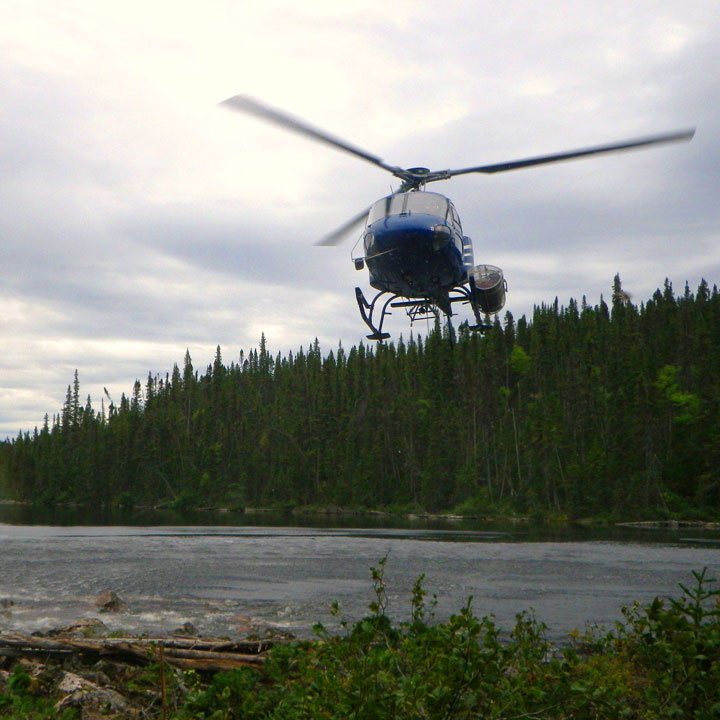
<point>582,410</point>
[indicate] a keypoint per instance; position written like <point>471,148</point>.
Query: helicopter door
<point>453,220</point>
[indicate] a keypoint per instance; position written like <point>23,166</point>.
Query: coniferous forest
<point>612,409</point>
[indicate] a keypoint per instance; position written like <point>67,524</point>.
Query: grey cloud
<point>133,227</point>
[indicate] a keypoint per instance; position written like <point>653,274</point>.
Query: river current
<point>234,579</point>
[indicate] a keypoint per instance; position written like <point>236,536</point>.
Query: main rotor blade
<point>337,235</point>
<point>571,154</point>
<point>246,104</point>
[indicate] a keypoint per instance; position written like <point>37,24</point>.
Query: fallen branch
<point>186,653</point>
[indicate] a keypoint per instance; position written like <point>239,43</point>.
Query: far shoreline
<point>337,511</point>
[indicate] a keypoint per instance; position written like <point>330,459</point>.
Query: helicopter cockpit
<point>416,202</point>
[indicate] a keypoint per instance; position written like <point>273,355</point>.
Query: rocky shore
<point>101,673</point>
<point>671,524</point>
<point>83,666</point>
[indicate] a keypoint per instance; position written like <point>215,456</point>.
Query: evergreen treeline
<point>585,410</point>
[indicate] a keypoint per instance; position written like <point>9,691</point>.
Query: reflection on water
<point>426,528</point>
<point>233,572</point>
<point>41,515</point>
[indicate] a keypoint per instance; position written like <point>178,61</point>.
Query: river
<point>237,577</point>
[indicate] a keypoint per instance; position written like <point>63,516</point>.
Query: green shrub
<point>663,661</point>
<point>19,703</point>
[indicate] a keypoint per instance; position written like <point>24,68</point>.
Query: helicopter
<point>413,244</point>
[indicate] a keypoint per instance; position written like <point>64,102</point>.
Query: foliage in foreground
<point>662,662</point>
<point>19,702</point>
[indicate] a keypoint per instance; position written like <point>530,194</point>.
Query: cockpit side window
<point>453,218</point>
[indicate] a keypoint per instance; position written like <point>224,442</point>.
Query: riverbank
<point>671,524</point>
<point>85,671</point>
<point>334,511</point>
<point>549,518</point>
<point>492,517</point>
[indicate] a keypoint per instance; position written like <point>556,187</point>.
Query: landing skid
<point>415,309</point>
<point>367,310</point>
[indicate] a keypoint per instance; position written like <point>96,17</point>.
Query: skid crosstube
<point>414,308</point>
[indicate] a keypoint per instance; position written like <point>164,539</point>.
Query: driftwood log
<point>185,653</point>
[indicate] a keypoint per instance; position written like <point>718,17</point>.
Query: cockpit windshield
<point>426,203</point>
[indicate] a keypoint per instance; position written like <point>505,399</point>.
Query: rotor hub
<point>415,178</point>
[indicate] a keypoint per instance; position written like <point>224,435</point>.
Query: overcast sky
<point>139,219</point>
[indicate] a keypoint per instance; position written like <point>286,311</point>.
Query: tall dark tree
<point>579,410</point>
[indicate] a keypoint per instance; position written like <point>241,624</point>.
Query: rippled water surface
<point>228,579</point>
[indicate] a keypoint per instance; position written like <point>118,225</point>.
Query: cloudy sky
<point>138,219</point>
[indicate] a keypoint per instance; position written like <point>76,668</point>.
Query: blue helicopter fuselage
<point>414,246</point>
